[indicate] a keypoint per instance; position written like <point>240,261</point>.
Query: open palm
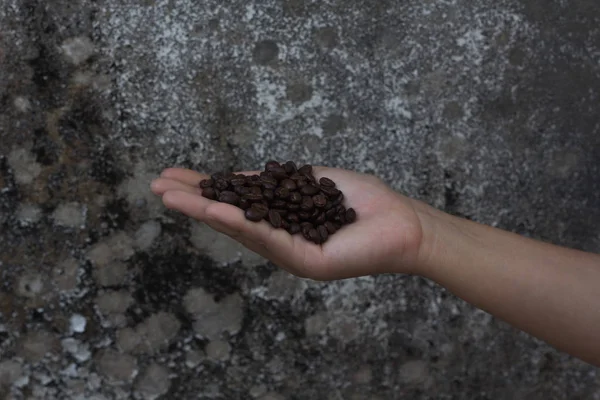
<point>386,236</point>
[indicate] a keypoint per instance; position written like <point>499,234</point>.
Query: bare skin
<point>548,291</point>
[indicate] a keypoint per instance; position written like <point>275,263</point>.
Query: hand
<point>386,237</point>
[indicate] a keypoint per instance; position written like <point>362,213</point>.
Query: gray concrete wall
<point>487,109</point>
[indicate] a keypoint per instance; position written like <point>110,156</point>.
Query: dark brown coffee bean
<point>255,190</point>
<point>281,212</point>
<point>304,215</point>
<point>293,207</point>
<point>241,190</point>
<point>269,180</point>
<point>330,214</point>
<point>306,225</point>
<point>253,197</point>
<point>245,203</point>
<point>321,218</point>
<point>282,193</point>
<point>314,236</point>
<point>340,209</point>
<point>269,195</point>
<point>338,200</point>
<point>342,218</point>
<point>319,200</point>
<point>329,205</point>
<point>294,229</point>
<point>305,169</point>
<point>307,203</point>
<point>309,190</point>
<point>217,175</point>
<point>256,213</point>
<point>315,214</point>
<point>350,215</point>
<point>290,167</point>
<point>275,219</point>
<point>284,224</point>
<point>270,165</point>
<point>326,182</point>
<point>279,204</point>
<point>293,217</point>
<point>301,183</point>
<point>209,193</point>
<point>296,198</point>
<point>279,173</point>
<point>221,184</point>
<point>296,176</point>
<point>323,233</point>
<point>306,234</point>
<point>229,198</point>
<point>330,227</point>
<point>337,225</point>
<point>206,183</point>
<point>236,181</point>
<point>289,184</point>
<point>330,192</point>
<point>264,174</point>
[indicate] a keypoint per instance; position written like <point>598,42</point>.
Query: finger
<point>192,205</point>
<point>187,176</point>
<point>162,185</point>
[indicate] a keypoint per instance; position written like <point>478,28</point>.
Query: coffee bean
<point>306,225</point>
<point>282,212</point>
<point>300,183</point>
<point>293,207</point>
<point>306,234</point>
<point>315,214</point>
<point>328,205</point>
<point>253,197</point>
<point>293,217</point>
<point>255,190</point>
<point>309,190</point>
<point>296,176</point>
<point>279,173</point>
<point>236,181</point>
<point>296,198</point>
<point>307,203</point>
<point>339,199</point>
<point>284,224</point>
<point>289,184</point>
<point>221,184</point>
<point>294,229</point>
<point>330,191</point>
<point>306,169</point>
<point>206,183</point>
<point>279,204</point>
<point>275,219</point>
<point>326,182</point>
<point>209,193</point>
<point>282,193</point>
<point>304,215</point>
<point>269,180</point>
<point>337,225</point>
<point>319,200</point>
<point>245,203</point>
<point>256,213</point>
<point>340,209</point>
<point>217,175</point>
<point>330,214</point>
<point>229,198</point>
<point>241,190</point>
<point>254,181</point>
<point>323,233</point>
<point>350,215</point>
<point>314,236</point>
<point>330,227</point>
<point>270,165</point>
<point>269,195</point>
<point>290,167</point>
<point>342,218</point>
<point>321,218</point>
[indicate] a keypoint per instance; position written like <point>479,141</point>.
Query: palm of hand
<point>385,237</point>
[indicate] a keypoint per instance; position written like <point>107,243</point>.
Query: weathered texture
<point>487,109</point>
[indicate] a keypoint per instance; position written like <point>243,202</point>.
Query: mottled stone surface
<point>487,109</point>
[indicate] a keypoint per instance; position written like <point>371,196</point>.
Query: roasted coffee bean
<point>309,190</point>
<point>272,164</point>
<point>275,219</point>
<point>296,198</point>
<point>237,181</point>
<point>256,213</point>
<point>306,225</point>
<point>293,207</point>
<point>326,182</point>
<point>241,190</point>
<point>279,204</point>
<point>330,214</point>
<point>253,197</point>
<point>283,213</point>
<point>296,176</point>
<point>209,193</point>
<point>330,191</point>
<point>311,179</point>
<point>268,179</point>
<point>255,190</point>
<point>307,203</point>
<point>279,173</point>
<point>294,229</point>
<point>330,227</point>
<point>217,175</point>
<point>206,183</point>
<point>306,234</point>
<point>338,200</point>
<point>304,215</point>
<point>315,214</point>
<point>340,209</point>
<point>337,225</point>
<point>350,215</point>
<point>282,193</point>
<point>319,200</point>
<point>321,218</point>
<point>254,181</point>
<point>284,224</point>
<point>244,203</point>
<point>292,217</point>
<point>221,184</point>
<point>289,184</point>
<point>290,167</point>
<point>306,169</point>
<point>329,205</point>
<point>314,236</point>
<point>229,198</point>
<point>269,195</point>
<point>342,218</point>
<point>300,183</point>
<point>323,232</point>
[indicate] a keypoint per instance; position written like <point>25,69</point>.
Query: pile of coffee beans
<point>287,197</point>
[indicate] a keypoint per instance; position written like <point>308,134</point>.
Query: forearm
<point>548,291</point>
